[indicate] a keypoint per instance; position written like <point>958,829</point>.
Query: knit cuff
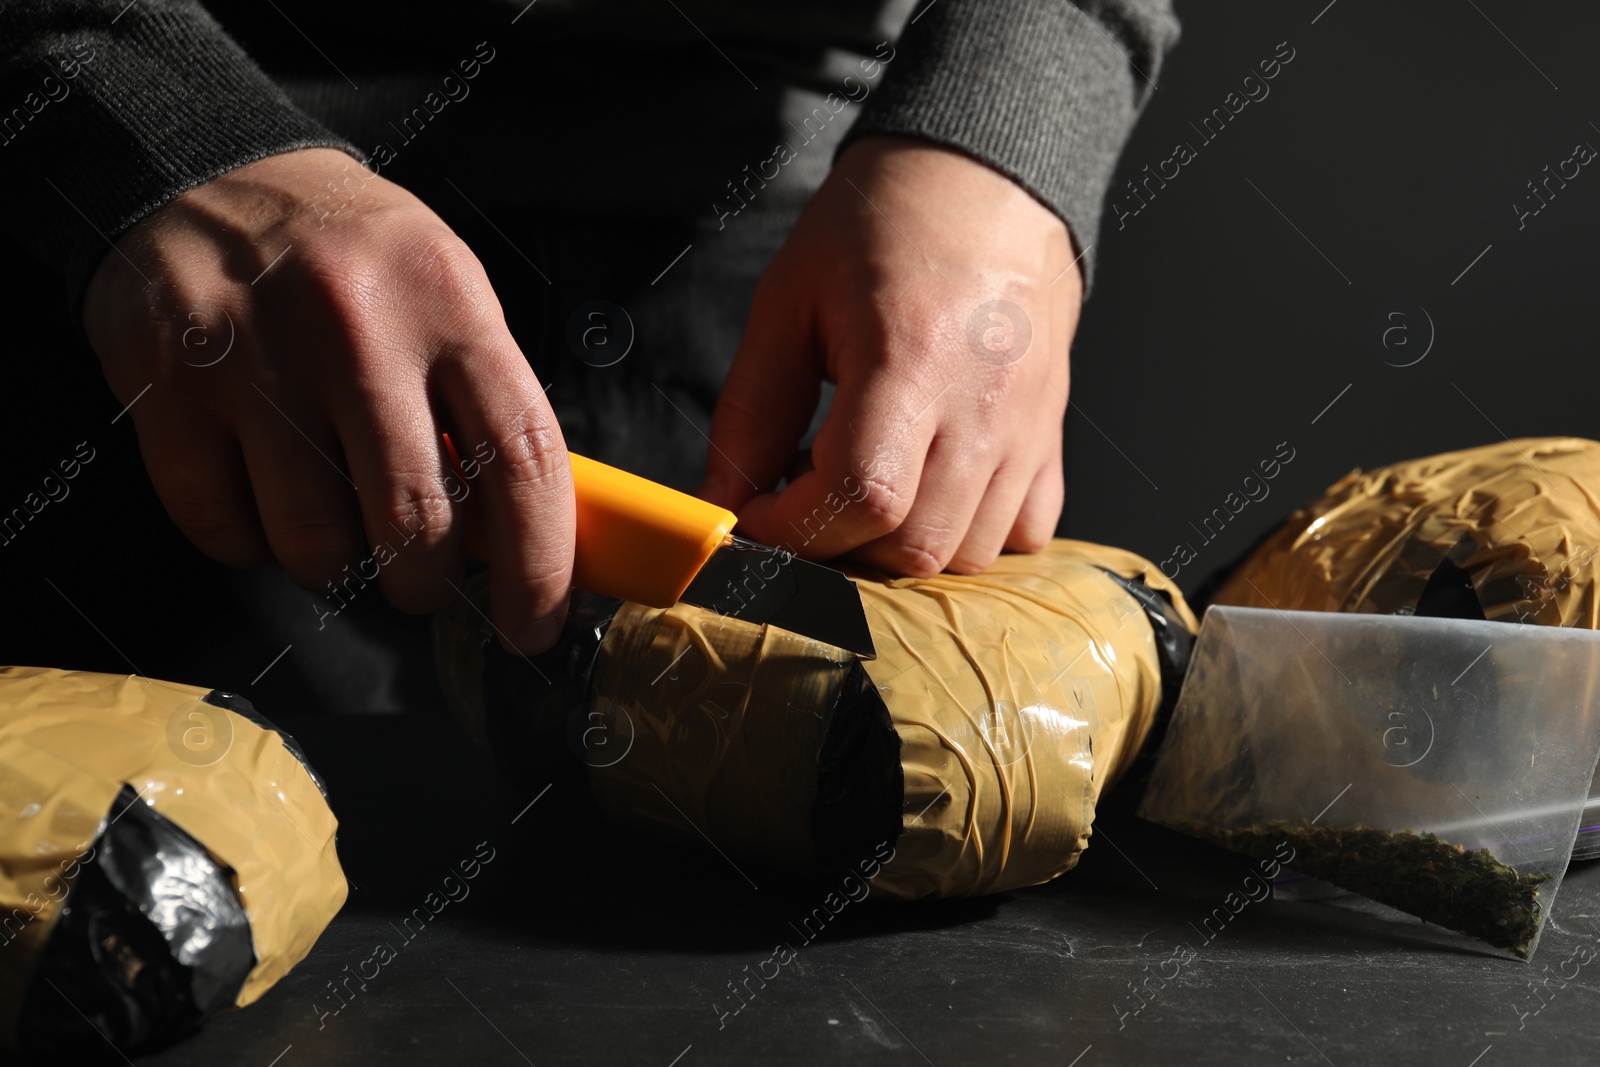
<point>1040,90</point>
<point>123,108</point>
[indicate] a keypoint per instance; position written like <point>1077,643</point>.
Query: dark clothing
<point>112,108</point>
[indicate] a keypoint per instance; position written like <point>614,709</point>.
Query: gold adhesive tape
<point>723,722</point>
<point>69,740</point>
<point>1521,517</point>
<point>1017,695</point>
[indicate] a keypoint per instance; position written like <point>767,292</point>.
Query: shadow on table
<point>416,802</point>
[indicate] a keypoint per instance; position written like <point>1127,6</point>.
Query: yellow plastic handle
<point>639,540</point>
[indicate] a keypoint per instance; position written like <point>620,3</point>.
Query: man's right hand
<point>356,326</point>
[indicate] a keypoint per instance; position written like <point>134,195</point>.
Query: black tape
<point>532,703</point>
<point>1174,642</point>
<point>1174,647</point>
<point>1449,594</point>
<point>152,939</point>
<point>861,783</point>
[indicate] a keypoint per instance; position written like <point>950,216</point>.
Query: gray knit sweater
<point>111,108</point>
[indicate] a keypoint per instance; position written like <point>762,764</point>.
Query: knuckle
<point>533,456</point>
<point>416,510</point>
<point>361,282</point>
<point>883,507</point>
<point>1035,525</point>
<point>449,267</point>
<point>344,296</point>
<point>918,560</point>
<point>1030,538</point>
<point>151,338</point>
<point>973,561</point>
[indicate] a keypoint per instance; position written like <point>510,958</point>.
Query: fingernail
<point>715,490</point>
<point>538,635</point>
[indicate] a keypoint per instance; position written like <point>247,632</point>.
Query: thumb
<point>766,402</point>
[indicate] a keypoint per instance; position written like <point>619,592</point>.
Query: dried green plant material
<point>1471,892</point>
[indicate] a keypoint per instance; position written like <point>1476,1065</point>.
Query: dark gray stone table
<point>577,945</point>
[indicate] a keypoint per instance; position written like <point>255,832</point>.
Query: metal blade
<point>744,580</point>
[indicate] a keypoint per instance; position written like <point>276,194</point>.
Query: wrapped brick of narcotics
<point>975,745</point>
<point>1507,532</point>
<point>165,854</point>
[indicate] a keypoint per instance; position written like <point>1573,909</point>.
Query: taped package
<point>165,854</point>
<point>975,745</point>
<point>1507,532</point>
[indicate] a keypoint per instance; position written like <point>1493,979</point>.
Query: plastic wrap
<point>150,894</point>
<point>164,854</point>
<point>976,743</point>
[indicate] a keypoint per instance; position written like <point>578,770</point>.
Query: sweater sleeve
<point>114,108</point>
<point>1044,91</point>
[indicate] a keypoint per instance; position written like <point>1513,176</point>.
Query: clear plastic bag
<point>1508,531</point>
<point>1439,766</point>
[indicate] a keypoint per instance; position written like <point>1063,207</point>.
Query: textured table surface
<point>574,946</point>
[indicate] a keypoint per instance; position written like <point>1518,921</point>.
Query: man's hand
<point>942,299</point>
<point>356,326</point>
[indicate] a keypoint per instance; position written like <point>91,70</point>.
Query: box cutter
<point>641,541</point>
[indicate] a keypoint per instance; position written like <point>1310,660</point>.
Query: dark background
<point>1396,141</point>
